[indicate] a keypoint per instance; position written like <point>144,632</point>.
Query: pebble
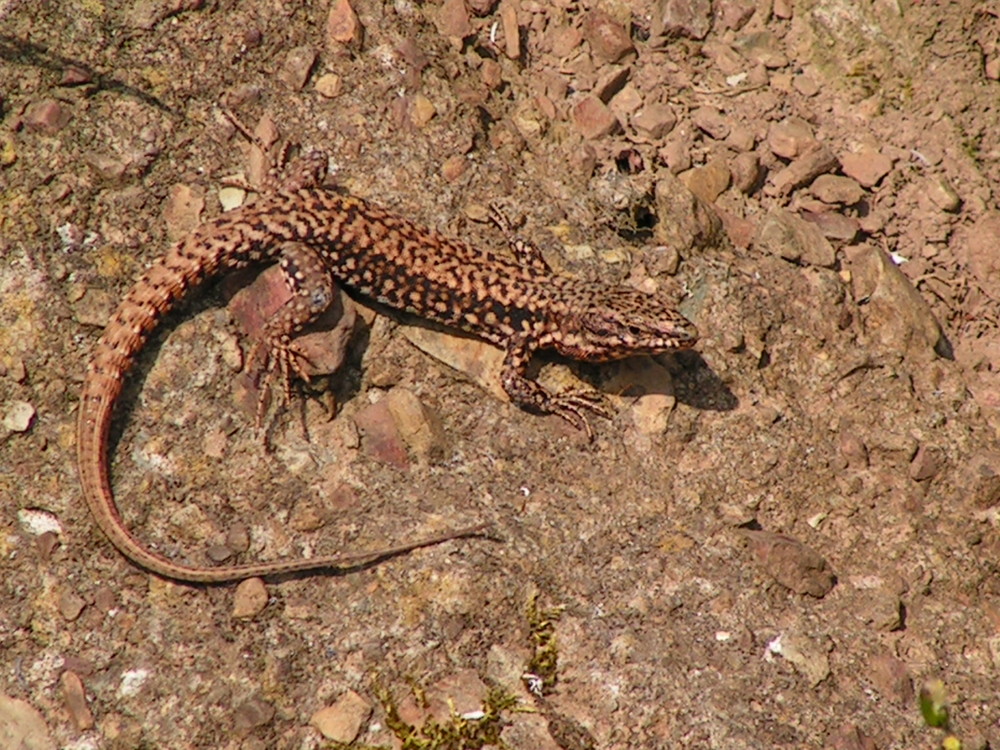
<point>453,19</point>
<point>927,464</point>
<point>897,315</point>
<point>48,116</point>
<point>835,189</point>
<point>803,170</point>
<point>422,110</point>
<point>298,64</point>
<point>251,715</point>
<point>867,166</point>
<point>747,172</point>
<point>792,238</point>
<point>511,30</point>
<point>342,721</point>
<point>76,701</point>
<point>686,221</point>
<point>807,655</point>
<point>691,19</point>
<point>18,416</point>
<point>342,24</point>
<point>711,121</point>
<point>593,119</point>
<point>791,563</point>
<point>892,679</point>
<point>654,121</point>
<point>249,599</point>
<point>419,426</point>
<point>790,137</point>
<point>329,85</point>
<point>943,194</point>
<point>762,47</point>
<point>609,41</point>
<point>70,605</point>
<point>380,435</point>
<point>710,181</point>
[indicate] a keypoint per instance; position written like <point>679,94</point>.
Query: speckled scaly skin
<point>320,236</point>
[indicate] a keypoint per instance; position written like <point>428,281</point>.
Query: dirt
<point>787,537</point>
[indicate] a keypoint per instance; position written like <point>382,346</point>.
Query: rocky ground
<point>785,538</point>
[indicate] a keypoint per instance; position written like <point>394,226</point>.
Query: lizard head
<point>623,323</point>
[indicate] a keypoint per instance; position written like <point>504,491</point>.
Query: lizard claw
<point>572,404</point>
<point>278,360</point>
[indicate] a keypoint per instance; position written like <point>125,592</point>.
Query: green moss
<point>544,662</point>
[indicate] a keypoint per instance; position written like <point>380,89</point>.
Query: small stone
<point>18,416</point>
<point>491,73</point>
<point>454,167</point>
<point>47,117</point>
<point>747,172</point>
<point>741,138</point>
<point>807,655</point>
<point>342,24</point>
<point>992,68</point>
<point>252,714</point>
<point>654,121</point>
<point>380,435</point>
<point>419,426</point>
<point>686,221</point>
<point>76,701</point>
<point>71,605</point>
<point>711,121</point>
<point>835,189</point>
<point>73,75</point>
<point>511,30</point>
<point>342,721</point>
<point>182,211</point>
<point>329,85</point>
<point>565,40</point>
<point>868,166</point>
<point>594,119</point>
<point>298,65</point>
<point>422,110</point>
<point>927,463</point>
<point>609,41</point>
<point>833,225</point>
<point>791,563</point>
<point>453,19</point>
<point>249,599</point>
<point>688,18</point>
<point>803,170</point>
<point>611,81</point>
<point>794,239</point>
<point>892,679</point>
<point>790,137</point>
<point>710,181</point>
<point>231,197</point>
<point>943,195</point>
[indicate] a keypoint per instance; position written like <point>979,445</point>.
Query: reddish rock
<point>47,116</point>
<point>689,18</point>
<point>342,24</point>
<point>594,119</point>
<point>608,39</point>
<point>867,166</point>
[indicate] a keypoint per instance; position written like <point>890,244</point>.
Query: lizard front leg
<point>530,394</point>
<point>312,286</point>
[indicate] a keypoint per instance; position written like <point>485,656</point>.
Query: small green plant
<point>542,668</point>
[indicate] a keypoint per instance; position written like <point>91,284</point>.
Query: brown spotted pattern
<point>520,307</point>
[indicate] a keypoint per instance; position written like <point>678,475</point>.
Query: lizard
<point>320,237</point>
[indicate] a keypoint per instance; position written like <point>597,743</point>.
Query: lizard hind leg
<point>312,291</point>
